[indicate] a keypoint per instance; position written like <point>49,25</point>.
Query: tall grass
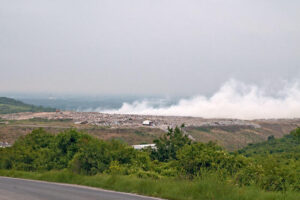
<point>207,187</point>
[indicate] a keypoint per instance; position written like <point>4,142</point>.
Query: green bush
<point>196,157</point>
<point>169,144</point>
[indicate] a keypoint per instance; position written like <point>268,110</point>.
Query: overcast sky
<point>185,47</point>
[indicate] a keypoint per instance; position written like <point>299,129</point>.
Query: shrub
<point>169,144</point>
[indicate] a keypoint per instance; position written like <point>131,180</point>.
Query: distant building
<point>4,145</point>
<point>144,146</point>
<point>147,123</point>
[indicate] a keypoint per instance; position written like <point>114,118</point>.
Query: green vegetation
<point>177,169</point>
<point>288,146</point>
<point>8,105</point>
<point>280,159</point>
<point>168,145</point>
<point>203,129</point>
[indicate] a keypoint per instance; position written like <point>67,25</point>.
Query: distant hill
<point>9,105</point>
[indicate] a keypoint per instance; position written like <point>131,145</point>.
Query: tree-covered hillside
<point>8,105</point>
<point>288,146</point>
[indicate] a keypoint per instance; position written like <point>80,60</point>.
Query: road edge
<point>84,187</point>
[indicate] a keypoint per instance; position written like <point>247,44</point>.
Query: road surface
<point>21,189</point>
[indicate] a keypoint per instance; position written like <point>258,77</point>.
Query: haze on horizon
<point>146,47</point>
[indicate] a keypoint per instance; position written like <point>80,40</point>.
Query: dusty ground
<point>15,129</point>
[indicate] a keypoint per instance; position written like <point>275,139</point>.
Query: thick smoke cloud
<point>233,100</point>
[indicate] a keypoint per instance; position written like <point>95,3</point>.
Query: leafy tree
<point>194,158</point>
<point>169,144</point>
<point>296,134</point>
<point>92,158</point>
<point>271,137</point>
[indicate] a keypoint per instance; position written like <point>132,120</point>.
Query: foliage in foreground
<point>175,157</point>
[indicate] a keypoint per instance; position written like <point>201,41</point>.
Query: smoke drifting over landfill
<point>234,99</point>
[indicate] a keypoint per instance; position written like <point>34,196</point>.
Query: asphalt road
<point>21,189</point>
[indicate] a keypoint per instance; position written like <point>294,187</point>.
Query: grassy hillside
<point>288,146</point>
<point>8,105</point>
<point>236,137</point>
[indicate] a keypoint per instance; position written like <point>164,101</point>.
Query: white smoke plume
<point>233,100</point>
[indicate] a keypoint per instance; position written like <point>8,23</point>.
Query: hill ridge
<point>10,105</point>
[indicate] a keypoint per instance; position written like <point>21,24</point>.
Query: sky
<point>147,47</point>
